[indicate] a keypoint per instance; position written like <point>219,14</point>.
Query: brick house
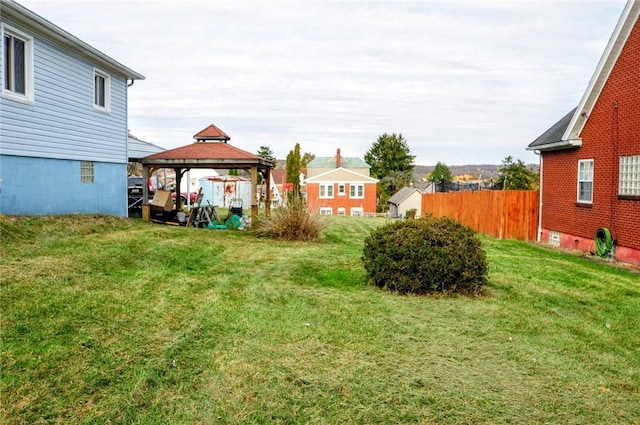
<point>590,159</point>
<point>340,186</point>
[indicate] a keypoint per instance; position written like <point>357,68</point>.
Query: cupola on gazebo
<point>210,150</point>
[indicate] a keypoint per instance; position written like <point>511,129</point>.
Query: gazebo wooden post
<point>254,197</point>
<point>178,174</point>
<point>146,209</point>
<point>267,205</point>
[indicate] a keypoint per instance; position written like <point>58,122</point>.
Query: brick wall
<point>612,130</point>
<point>368,203</point>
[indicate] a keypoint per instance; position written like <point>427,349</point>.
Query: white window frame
<point>354,188</point>
<point>629,176</point>
<point>357,211</point>
<point>325,191</point>
<point>98,73</point>
<point>342,211</point>
<point>585,176</point>
<point>8,92</point>
<point>342,189</point>
<point>326,211</point>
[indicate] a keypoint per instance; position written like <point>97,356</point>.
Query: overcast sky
<point>465,82</point>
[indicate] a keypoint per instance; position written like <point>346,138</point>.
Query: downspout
<point>132,81</point>
<point>540,170</point>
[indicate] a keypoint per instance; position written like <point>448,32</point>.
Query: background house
<point>63,132</point>
<point>590,159</point>
<point>340,186</point>
<point>407,198</point>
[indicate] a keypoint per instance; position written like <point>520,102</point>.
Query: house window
<point>101,90</point>
<point>342,211</point>
<point>17,69</point>
<point>357,212</point>
<point>326,191</point>
<point>585,181</point>
<point>326,211</point>
<point>629,184</point>
<point>341,189</point>
<point>86,172</point>
<point>356,191</point>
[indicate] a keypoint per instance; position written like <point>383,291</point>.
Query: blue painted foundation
<point>42,186</point>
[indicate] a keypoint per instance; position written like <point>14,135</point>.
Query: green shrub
<point>292,222</point>
<point>425,255</point>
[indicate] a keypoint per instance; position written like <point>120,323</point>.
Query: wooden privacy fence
<point>503,214</point>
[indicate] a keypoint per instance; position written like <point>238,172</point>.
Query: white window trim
<point>629,176</point>
<point>354,187</point>
<point>107,90</point>
<point>585,161</point>
<point>326,211</point>
<point>326,195</point>
<point>342,189</point>
<point>358,210</point>
<point>27,97</point>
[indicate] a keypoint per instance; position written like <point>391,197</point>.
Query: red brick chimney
<point>338,159</point>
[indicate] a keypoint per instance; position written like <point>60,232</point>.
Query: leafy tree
<point>307,158</point>
<point>441,172</point>
<point>516,175</point>
<point>294,165</point>
<point>391,162</point>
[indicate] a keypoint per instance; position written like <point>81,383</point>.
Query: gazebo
<point>210,150</point>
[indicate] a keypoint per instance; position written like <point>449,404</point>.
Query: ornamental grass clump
<point>424,256</point>
<point>292,222</point>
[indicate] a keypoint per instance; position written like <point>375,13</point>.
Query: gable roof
<point>211,132</point>
<point>571,135</point>
<point>553,136</point>
<point>402,194</point>
<point>330,162</point>
<point>23,16</point>
<point>323,177</point>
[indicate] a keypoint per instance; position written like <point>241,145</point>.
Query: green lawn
<point>107,320</point>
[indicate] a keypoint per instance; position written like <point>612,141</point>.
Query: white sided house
<point>63,120</point>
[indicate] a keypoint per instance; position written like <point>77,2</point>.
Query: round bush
<point>425,255</point>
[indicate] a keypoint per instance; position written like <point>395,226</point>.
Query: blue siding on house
<point>62,122</point>
<point>42,186</point>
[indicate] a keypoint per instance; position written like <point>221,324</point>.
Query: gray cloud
<point>464,82</point>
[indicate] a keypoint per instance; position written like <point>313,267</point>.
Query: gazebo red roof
<point>204,150</point>
<point>211,133</point>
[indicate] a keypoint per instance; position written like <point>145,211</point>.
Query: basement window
<point>629,182</point>
<point>554,238</point>
<point>86,172</point>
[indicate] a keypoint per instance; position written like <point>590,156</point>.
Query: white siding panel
<point>62,122</point>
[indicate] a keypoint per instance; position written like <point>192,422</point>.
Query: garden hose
<point>604,242</point>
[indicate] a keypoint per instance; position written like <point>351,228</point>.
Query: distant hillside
<point>472,171</point>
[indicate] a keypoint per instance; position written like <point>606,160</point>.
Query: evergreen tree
<point>266,153</point>
<point>441,173</point>
<point>391,162</point>
<point>294,162</point>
